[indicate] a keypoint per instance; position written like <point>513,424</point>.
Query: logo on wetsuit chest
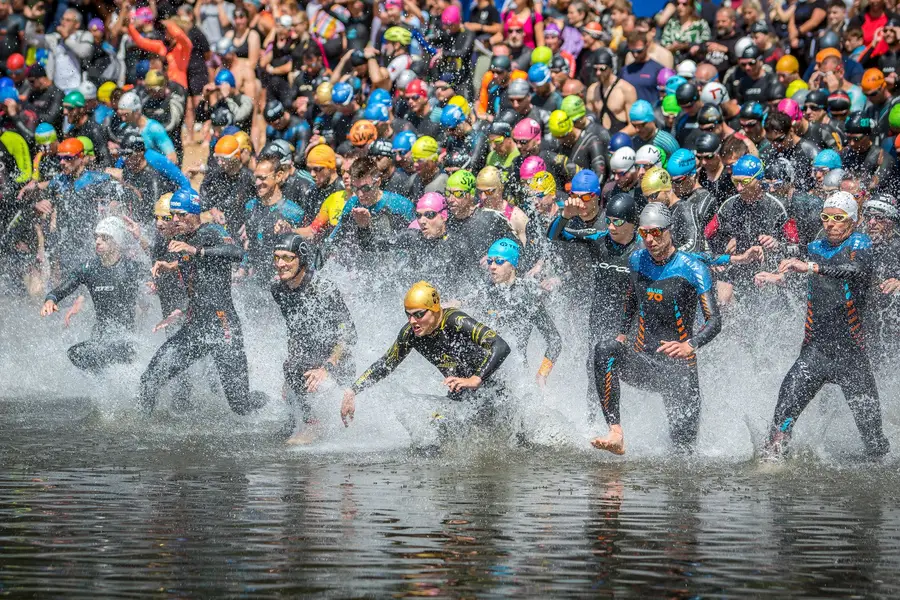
<point>618,268</point>
<point>105,288</point>
<point>654,294</point>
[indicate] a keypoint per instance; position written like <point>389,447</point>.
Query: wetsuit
<point>833,349</point>
<point>664,297</point>
<point>114,292</point>
<point>159,176</point>
<point>473,236</point>
<point>801,156</point>
<point>460,346</point>
<point>805,209</point>
<point>261,236</point>
<point>320,333</point>
<point>875,168</point>
<point>687,235</point>
<point>704,204</point>
<point>390,214</point>
<point>228,193</point>
<point>212,325</point>
<point>883,318</point>
<point>296,133</point>
<point>609,262</point>
<point>97,134</point>
<point>585,153</point>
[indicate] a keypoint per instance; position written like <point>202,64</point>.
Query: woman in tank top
<point>246,45</point>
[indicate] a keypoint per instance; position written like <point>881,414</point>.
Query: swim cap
<point>342,93</point>
<point>88,90</point>
<point>185,201</point>
<point>362,132</point>
<point>397,34</point>
<point>154,79</point>
<point>75,99</point>
<point>379,96</point>
<point>531,166</point>
<point>748,166</point>
<point>295,244</point>
<point>872,80</point>
<point>894,117</point>
<point>687,69</point>
<point>505,249</point>
<point>128,101</point>
<point>882,204</point>
<point>541,55</point>
<point>462,103</point>
<point>620,140</point>
<point>827,53</point>
<point>827,159</point>
<point>741,45</point>
<point>274,111</point>
<point>574,107</point>
<point>70,147</point>
<point>641,112</point>
<point>709,114</point>
<point>518,88</point>
<point>843,201</point>
<point>15,62</point>
<point>795,87</point>
<point>433,201</point>
<point>227,146</point>
<point>752,111</point>
<point>89,145</point>
<point>543,183</point>
<point>674,83</point>
<point>682,162</point>
<point>539,74</point>
<point>161,206</point>
<point>857,122</point>
<point>451,15</point>
<point>225,76</point>
<point>114,227</point>
<point>323,93</point>
<point>663,76</point>
<point>452,116</point>
<point>422,295</point>
<point>403,141</point>
<point>44,134</point>
<point>425,148</point>
<point>321,156</point>
<point>714,93</point>
<point>622,159</point>
<point>560,124</point>
<point>649,155</point>
<point>462,181</point>
<point>791,109</point>
<point>687,93</point>
<point>489,179</point>
<point>670,106</point>
<point>707,143</point>
<point>622,206</point>
<point>527,130</point>
<point>9,93</point>
<point>656,214</point>
<point>655,180</point>
<point>585,182</point>
<point>838,101</point>
<point>377,112</point>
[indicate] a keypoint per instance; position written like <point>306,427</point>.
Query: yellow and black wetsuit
<point>459,347</point>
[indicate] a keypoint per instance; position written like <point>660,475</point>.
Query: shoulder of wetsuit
<point>397,204</point>
<point>638,256</point>
<point>693,270</point>
<point>251,204</point>
<point>91,178</point>
<point>859,241</point>
<point>291,211</point>
<point>212,234</point>
<point>777,202</point>
<point>809,149</point>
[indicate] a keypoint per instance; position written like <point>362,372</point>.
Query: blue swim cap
<point>8,93</point>
<point>142,67</point>
<point>620,140</point>
<point>379,96</point>
<point>828,159</point>
<point>7,82</point>
<point>452,116</point>
<point>44,134</point>
<point>585,182</point>
<point>682,162</point>
<point>673,83</point>
<point>231,130</point>
<point>506,249</point>
<point>225,76</point>
<point>342,93</point>
<point>376,112</point>
<point>403,141</point>
<point>641,111</point>
<point>748,166</point>
<point>539,74</point>
<point>185,201</point>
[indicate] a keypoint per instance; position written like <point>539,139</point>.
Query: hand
<point>832,81</point>
<point>878,36</point>
<point>240,274</point>
<point>621,338</point>
<point>795,43</point>
<point>162,266</point>
<point>573,207</point>
<point>550,284</point>
<point>793,264</point>
<point>49,308</point>
<point>76,308</point>
<point>890,286</point>
<point>348,407</point>
<point>314,378</point>
<point>752,254</point>
<point>767,242</point>
<point>172,318</point>
<point>282,227</point>
<point>178,247</point>
<point>44,207</point>
<point>12,107</point>
<point>151,287</point>
<point>225,87</point>
<point>765,278</point>
<point>676,349</point>
<point>714,47</point>
<point>217,216</point>
<point>133,228</point>
<point>541,381</point>
<point>362,216</point>
<point>457,384</point>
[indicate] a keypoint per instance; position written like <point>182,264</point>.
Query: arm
<point>168,169</point>
<point>176,113</point>
<point>495,346</point>
<point>347,332</point>
<point>154,46</point>
<point>241,108</point>
<point>713,324</point>
<point>544,323</point>
<point>79,46</point>
<point>253,44</point>
<point>859,269</point>
<point>629,307</point>
<point>178,34</point>
<point>814,21</point>
<point>385,365</point>
<point>68,286</point>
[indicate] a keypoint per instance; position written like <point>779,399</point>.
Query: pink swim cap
<point>451,15</point>
<point>791,109</point>
<point>432,201</point>
<point>531,166</point>
<point>526,130</point>
<point>144,15</point>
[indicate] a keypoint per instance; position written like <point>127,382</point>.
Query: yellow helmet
<point>161,208</point>
<point>104,92</point>
<point>323,93</point>
<point>543,183</point>
<point>422,295</point>
<point>656,179</point>
<point>489,178</point>
<point>425,148</point>
<point>462,103</point>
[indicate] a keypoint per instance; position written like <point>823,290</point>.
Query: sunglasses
<point>615,222</point>
<point>68,157</point>
<point>601,68</point>
<point>775,140</point>
<point>285,259</point>
<point>497,140</point>
<point>414,97</point>
<point>679,178</point>
<point>709,127</point>
<point>855,137</point>
<point>458,193</point>
<point>366,188</point>
<point>164,219</point>
<point>705,156</point>
<point>836,218</point>
<point>428,214</point>
<point>515,30</point>
<point>652,231</point>
<point>496,261</point>
<point>874,216</point>
<point>747,63</point>
<point>416,314</point>
<point>873,93</point>
<point>636,50</point>
<point>584,197</point>
<point>749,123</point>
<point>523,141</point>
<point>812,107</point>
<point>487,192</point>
<point>745,181</point>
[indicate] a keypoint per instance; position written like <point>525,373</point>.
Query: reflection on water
<point>96,508</point>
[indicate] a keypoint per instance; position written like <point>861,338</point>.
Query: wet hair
<point>267,156</point>
<point>778,121</point>
<point>734,146</point>
<point>364,166</point>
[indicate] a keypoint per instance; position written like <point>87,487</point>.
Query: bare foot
<point>613,442</point>
<point>307,435</point>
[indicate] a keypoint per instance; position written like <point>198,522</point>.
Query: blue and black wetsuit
<point>664,298</point>
<point>260,221</point>
<point>834,349</point>
<point>212,325</point>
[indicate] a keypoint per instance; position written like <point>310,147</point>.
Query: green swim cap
<point>894,117</point>
<point>541,54</point>
<point>663,159</point>
<point>574,107</point>
<point>88,145</point>
<point>670,106</point>
<point>461,180</point>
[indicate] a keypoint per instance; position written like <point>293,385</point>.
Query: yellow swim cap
<point>488,179</point>
<point>656,179</point>
<point>787,64</point>
<point>323,93</point>
<point>462,103</point>
<point>425,148</point>
<point>105,91</point>
<point>161,208</point>
<point>422,295</point>
<point>243,141</point>
<point>543,183</point>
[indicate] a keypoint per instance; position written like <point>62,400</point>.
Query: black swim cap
<point>621,206</point>
<point>291,242</point>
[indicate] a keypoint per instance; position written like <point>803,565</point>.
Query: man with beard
<point>719,52</point>
<point>785,143</point>
<point>228,185</point>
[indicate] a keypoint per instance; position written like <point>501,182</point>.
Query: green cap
<point>574,107</point>
<point>88,145</point>
<point>894,117</point>
<point>75,99</point>
<point>461,180</point>
<point>541,54</point>
<point>670,106</point>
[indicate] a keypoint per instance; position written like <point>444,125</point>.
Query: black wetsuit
<point>705,205</point>
<point>321,334</point>
<point>585,153</point>
<point>833,349</point>
<point>664,297</point>
<point>212,324</point>
<point>474,235</point>
<point>883,319</point>
<point>228,193</point>
<point>805,209</point>
<point>460,346</point>
<point>114,292</point>
<point>687,234</point>
<point>261,237</point>
<point>874,169</point>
